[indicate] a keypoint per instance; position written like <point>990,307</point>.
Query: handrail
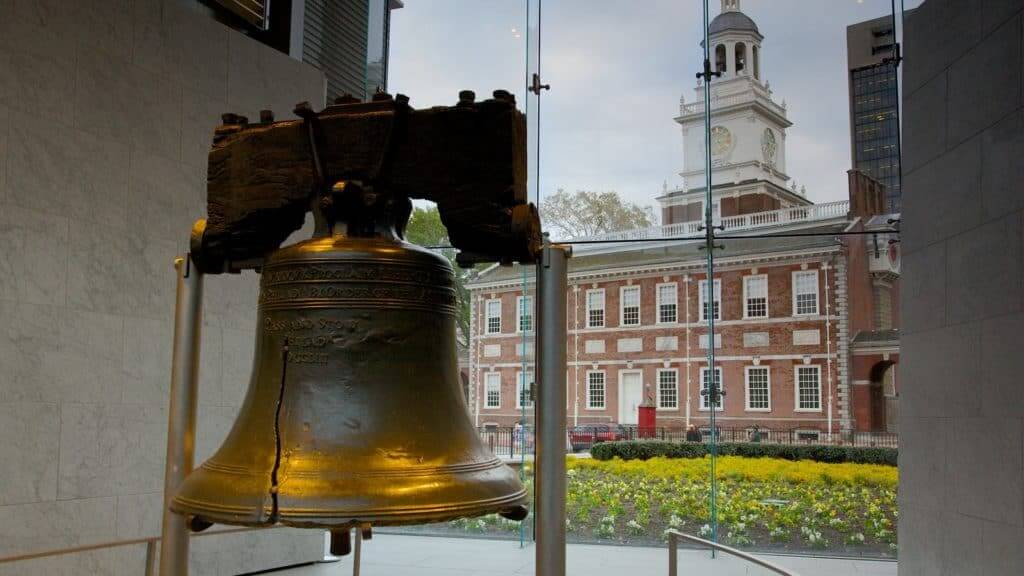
<point>150,543</point>
<point>673,549</point>
<point>116,544</point>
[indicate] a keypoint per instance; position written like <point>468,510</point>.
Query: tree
<point>587,213</point>
<point>426,229</point>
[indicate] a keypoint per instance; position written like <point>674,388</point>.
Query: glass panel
<point>809,282</point>
<point>497,305</point>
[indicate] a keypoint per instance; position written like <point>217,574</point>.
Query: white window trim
<point>519,314</point>
<point>817,292</point>
<point>767,312</point>
<point>520,385</point>
<point>604,307</point>
<point>587,390</point>
<point>796,388</point>
<point>702,296</point>
<point>657,380</point>
<point>658,303</point>
<point>716,211</point>
<point>746,388</point>
<point>487,316</point>
<point>700,388</point>
<point>622,305</point>
<point>487,377</point>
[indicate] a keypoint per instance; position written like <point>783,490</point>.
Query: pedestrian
<point>755,434</point>
<point>692,434</point>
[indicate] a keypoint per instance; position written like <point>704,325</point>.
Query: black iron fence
<point>517,441</point>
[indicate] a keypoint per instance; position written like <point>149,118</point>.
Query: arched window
<point>720,65</point>
<point>741,57</point>
<point>757,62</point>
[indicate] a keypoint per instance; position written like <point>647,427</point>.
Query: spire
<point>730,5</point>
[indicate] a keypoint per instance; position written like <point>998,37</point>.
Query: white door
<point>631,395</point>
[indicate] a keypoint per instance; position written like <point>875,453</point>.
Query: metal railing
<point>514,441</point>
<point>673,554</point>
<point>152,543</point>
<point>782,216</point>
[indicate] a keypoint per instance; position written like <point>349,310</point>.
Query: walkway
<point>393,555</point>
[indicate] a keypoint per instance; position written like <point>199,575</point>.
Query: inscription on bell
<point>358,272</point>
<point>307,357</point>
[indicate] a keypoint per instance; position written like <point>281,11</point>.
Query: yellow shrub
<point>740,468</point>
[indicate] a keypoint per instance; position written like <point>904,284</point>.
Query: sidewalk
<point>393,555</point>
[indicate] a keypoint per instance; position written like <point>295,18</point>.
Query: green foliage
<point>587,213</point>
<point>647,449</point>
<point>426,229</point>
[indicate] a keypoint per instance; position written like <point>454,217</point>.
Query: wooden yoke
<point>470,159</point>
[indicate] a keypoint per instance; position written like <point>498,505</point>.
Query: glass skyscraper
<point>874,104</point>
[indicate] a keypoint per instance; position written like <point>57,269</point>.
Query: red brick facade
<point>782,343</point>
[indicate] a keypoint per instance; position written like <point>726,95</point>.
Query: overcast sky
<point>617,70</point>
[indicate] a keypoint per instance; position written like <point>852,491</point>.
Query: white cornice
<point>724,264</point>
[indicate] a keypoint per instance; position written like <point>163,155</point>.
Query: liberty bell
<point>354,415</point>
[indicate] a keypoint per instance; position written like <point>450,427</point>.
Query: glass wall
<point>727,173</point>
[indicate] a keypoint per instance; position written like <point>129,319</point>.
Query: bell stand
<point>552,270</point>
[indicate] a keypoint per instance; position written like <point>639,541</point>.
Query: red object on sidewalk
<point>647,427</point>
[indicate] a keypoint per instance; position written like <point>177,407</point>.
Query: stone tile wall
<point>962,406</point>
<point>106,113</point>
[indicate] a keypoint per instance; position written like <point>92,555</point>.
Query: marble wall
<point>962,403</point>
<point>106,113</point>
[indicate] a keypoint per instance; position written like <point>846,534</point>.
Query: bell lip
<point>323,518</point>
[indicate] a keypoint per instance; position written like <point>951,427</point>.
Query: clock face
<point>721,140</point>
<point>769,146</point>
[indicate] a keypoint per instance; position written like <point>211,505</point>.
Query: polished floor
<point>392,555</point>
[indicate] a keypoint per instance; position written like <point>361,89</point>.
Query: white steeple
<point>730,5</point>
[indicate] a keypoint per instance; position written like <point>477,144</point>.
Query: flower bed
<point>802,507</point>
<point>763,503</point>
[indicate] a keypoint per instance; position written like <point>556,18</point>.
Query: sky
<point>617,70</point>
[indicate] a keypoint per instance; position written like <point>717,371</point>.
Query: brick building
<point>803,333</point>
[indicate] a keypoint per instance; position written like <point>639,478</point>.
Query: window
<point>668,304</point>
<point>720,65</point>
<point>524,390</point>
<point>716,212</point>
<point>758,388</point>
<point>741,56</point>
<point>493,316</point>
<point>705,401</point>
<point>595,391</point>
<point>595,308</point>
<point>630,303</point>
<point>668,389</point>
<point>716,305</point>
<point>492,390</point>
<point>755,296</point>
<point>805,292</point>
<point>524,314</point>
<point>808,388</point>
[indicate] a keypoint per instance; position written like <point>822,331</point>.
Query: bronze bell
<point>354,414</point>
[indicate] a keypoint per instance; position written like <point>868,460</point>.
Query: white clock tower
<point>748,131</point>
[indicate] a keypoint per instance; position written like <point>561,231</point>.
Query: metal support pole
<point>151,558</point>
<point>550,473</point>
<point>181,426</point>
<point>357,557</point>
